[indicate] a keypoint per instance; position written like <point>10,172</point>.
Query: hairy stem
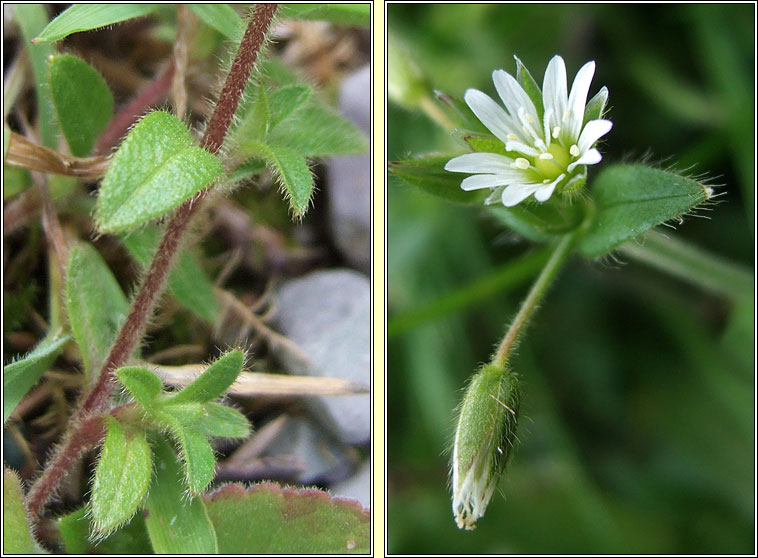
<point>533,299</point>
<point>74,444</point>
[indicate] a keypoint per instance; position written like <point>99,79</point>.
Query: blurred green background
<point>637,429</point>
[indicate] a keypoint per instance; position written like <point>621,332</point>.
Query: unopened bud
<point>484,439</point>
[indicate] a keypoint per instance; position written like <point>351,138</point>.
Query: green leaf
<point>17,532</point>
<point>317,131</point>
<point>287,521</point>
<point>539,222</point>
<point>15,181</point>
<point>122,477</point>
<point>209,419</point>
<point>85,17</point>
<point>631,199</point>
<point>214,382</point>
<point>222,18</point>
<point>21,375</point>
<point>246,170</point>
<point>132,538</point>
<point>141,383</point>
<point>291,170</point>
<point>155,169</point>
<point>187,281</point>
<point>254,117</point>
<point>344,14</point>
<point>198,457</point>
<point>176,524</point>
<point>533,90</point>
<point>82,100</point>
<point>32,18</point>
<point>428,173</point>
<point>286,101</point>
<point>95,303</point>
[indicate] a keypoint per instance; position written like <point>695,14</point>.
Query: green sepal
<point>122,477</point>
<point>459,112</point>
<point>427,173</point>
<point>481,143</point>
<point>82,101</point>
<point>533,91</point>
<point>214,382</point>
<point>630,199</point>
<point>539,221</point>
<point>596,106</point>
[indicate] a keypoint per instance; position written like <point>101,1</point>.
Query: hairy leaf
<point>287,521</point>
<point>82,100</point>
<point>631,199</point>
<point>538,222</point>
<point>214,382</point>
<point>428,173</point>
<point>141,383</point>
<point>21,375</point>
<point>176,524</point>
<point>222,18</point>
<point>318,131</point>
<point>155,169</point>
<point>198,457</point>
<point>122,477</point>
<point>187,281</point>
<point>95,303</point>
<point>17,532</point>
<point>286,101</point>
<point>344,14</point>
<point>291,169</point>
<point>132,538</point>
<point>85,17</point>
<point>209,419</point>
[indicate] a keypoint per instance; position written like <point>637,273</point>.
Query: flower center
<point>553,163</point>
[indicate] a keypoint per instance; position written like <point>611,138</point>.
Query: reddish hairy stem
<point>142,307</point>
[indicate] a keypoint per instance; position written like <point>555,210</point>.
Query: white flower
<point>543,151</point>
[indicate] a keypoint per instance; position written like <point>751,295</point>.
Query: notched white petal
<point>592,157</point>
<point>492,115</point>
<point>479,181</point>
<point>479,162</point>
<point>593,131</point>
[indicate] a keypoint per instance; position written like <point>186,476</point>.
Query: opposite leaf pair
<point>190,417</point>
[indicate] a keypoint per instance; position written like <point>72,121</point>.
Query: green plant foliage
<point>17,533</point>
<point>634,198</point>
<point>291,170</point>
<point>196,453</point>
<point>141,383</point>
<point>287,521</point>
<point>222,18</point>
<point>427,172</point>
<point>286,101</point>
<point>85,17</point>
<point>538,222</point>
<point>82,100</point>
<point>32,18</point>
<point>214,382</point>
<point>480,142</point>
<point>132,538</point>
<point>525,79</point>
<point>21,375</point>
<point>318,131</point>
<point>15,181</point>
<point>208,419</point>
<point>187,280</point>
<point>156,168</point>
<point>122,477</point>
<point>176,524</point>
<point>95,303</point>
<point>345,14</point>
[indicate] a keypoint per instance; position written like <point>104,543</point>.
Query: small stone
<point>327,314</point>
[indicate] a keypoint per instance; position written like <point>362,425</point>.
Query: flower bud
<point>483,441</point>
